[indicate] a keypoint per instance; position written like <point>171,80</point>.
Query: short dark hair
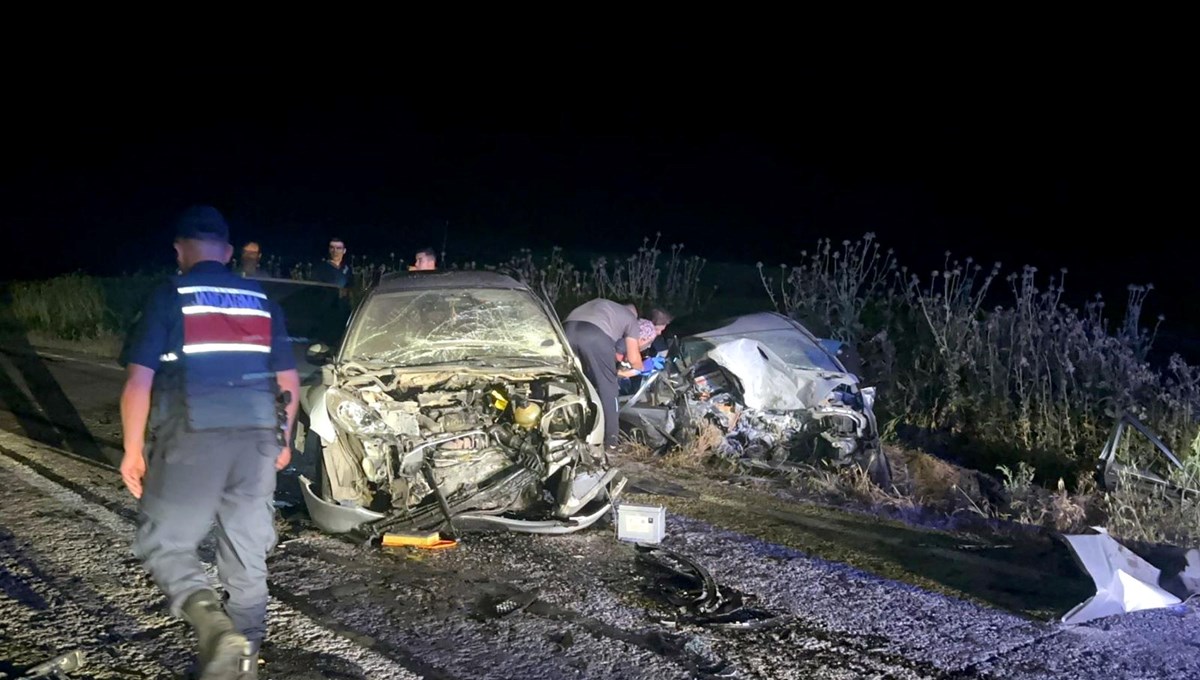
<point>661,317</point>
<point>339,239</point>
<point>427,251</point>
<point>202,223</point>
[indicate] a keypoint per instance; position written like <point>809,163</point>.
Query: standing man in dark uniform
<point>594,329</point>
<point>204,368</point>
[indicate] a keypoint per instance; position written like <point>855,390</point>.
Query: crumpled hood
<point>771,384</point>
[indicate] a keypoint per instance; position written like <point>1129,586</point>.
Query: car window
<point>414,328</point>
<point>314,313</point>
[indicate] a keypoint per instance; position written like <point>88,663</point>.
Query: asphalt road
<point>340,610</point>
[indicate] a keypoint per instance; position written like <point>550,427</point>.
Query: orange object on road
<point>440,544</point>
<point>431,541</point>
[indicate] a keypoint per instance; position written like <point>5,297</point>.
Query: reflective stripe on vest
<point>223,319</point>
<point>187,290</point>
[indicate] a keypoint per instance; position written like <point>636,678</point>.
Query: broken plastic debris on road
<point>1125,581</point>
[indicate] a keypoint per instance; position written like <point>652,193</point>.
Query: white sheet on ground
<point>1124,581</point>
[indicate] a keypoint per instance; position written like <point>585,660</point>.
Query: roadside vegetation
<point>995,396</point>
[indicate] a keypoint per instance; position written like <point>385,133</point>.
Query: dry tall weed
<point>848,483</point>
<point>1067,513</point>
<point>1153,514</point>
<point>936,484</point>
<point>698,449</point>
<point>636,449</point>
<point>1034,375</point>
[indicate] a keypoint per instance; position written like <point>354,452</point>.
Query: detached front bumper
<point>530,526</point>
<point>331,517</point>
<point>593,493</point>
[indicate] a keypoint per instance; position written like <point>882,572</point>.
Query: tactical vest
<point>217,375</point>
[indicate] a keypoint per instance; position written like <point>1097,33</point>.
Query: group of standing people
<point>335,270</point>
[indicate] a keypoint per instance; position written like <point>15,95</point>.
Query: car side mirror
<point>319,353</point>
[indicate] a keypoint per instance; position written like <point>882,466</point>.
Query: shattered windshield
<point>791,346</point>
<point>482,325</point>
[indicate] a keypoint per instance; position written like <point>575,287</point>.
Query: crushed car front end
<point>775,391</point>
<point>457,402</point>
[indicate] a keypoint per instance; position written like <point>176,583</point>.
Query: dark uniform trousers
<point>193,479</point>
<point>599,358</point>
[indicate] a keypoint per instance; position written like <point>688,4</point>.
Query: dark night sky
<point>1007,153</point>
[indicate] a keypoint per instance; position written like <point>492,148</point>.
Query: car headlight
<point>354,416</point>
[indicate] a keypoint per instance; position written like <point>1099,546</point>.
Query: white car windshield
<point>475,325</point>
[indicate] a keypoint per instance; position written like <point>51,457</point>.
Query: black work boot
<point>221,647</point>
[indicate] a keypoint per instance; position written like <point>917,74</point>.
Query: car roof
<point>741,324</point>
<point>759,322</point>
<point>751,323</point>
<point>433,280</point>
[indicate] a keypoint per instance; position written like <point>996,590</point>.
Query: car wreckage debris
<point>454,403</point>
<point>780,399</point>
<point>503,599</point>
<point>495,606</point>
<point>427,472</point>
<point>1109,471</point>
<point>698,599</point>
<point>56,667</point>
<point>1127,580</point>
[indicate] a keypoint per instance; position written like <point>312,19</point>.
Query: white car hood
<point>769,383</point>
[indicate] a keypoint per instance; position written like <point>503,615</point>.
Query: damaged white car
<point>779,395</point>
<point>454,401</point>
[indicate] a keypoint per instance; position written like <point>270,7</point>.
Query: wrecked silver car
<point>779,395</point>
<point>454,400</point>
<point>1149,468</point>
